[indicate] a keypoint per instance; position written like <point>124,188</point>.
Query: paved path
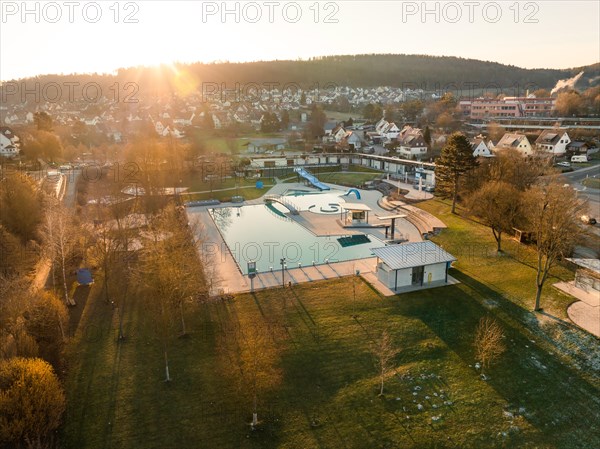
<point>413,194</point>
<point>585,312</point>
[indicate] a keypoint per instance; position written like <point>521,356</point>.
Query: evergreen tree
<point>285,119</point>
<point>427,136</point>
<point>456,160</point>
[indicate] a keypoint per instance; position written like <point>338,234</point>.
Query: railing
<point>284,202</point>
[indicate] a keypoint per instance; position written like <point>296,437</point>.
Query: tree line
<point>510,191</point>
<point>366,70</point>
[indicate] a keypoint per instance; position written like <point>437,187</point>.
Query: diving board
<point>311,179</point>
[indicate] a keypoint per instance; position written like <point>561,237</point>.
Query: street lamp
<point>282,262</point>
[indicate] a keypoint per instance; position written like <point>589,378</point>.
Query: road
<point>593,195</point>
<point>70,193</point>
<point>592,247</point>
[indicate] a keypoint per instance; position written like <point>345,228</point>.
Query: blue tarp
<point>84,276</point>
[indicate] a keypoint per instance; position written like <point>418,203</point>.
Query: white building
<point>9,143</point>
<point>411,142</point>
<point>412,266</point>
<point>554,141</point>
<point>516,141</point>
<point>480,149</point>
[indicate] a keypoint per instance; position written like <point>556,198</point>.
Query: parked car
<point>564,164</point>
<point>588,220</point>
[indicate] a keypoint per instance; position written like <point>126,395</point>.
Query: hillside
<point>429,73</point>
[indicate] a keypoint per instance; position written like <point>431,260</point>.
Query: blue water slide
<point>356,192</point>
<point>311,179</point>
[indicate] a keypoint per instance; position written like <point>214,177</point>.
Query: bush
<point>32,402</point>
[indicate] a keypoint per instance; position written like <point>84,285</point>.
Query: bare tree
<point>553,212</point>
<point>179,267</point>
<point>498,205</point>
<point>104,252</point>
<point>385,352</point>
<point>170,273</point>
<point>488,341</point>
<point>60,236</point>
<point>253,348</point>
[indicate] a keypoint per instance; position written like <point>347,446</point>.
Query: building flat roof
<point>590,264</point>
<point>408,255</point>
<point>389,217</point>
<point>355,206</point>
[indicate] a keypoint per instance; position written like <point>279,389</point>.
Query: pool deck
<point>226,276</point>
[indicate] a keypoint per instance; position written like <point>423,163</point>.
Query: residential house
<point>411,142</point>
<point>553,141</point>
<point>9,143</point>
<point>387,130</point>
<point>579,147</point>
<point>351,140</point>
<point>481,148</point>
<point>184,121</point>
<point>337,134</point>
<point>515,141</point>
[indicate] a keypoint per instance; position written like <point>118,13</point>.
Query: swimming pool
<point>318,203</point>
<point>257,233</point>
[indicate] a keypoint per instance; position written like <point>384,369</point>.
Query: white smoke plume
<point>570,83</point>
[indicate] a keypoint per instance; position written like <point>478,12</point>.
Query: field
<point>355,176</point>
<point>321,391</point>
<point>249,192</point>
<point>592,183</point>
<point>218,144</point>
<point>353,179</point>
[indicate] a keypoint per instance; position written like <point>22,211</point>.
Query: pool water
<point>257,233</point>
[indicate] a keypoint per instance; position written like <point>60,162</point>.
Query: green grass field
<point>353,179</point>
<point>593,183</point>
<point>222,145</point>
<point>248,192</point>
<point>325,393</point>
<point>355,176</point>
<point>474,247</point>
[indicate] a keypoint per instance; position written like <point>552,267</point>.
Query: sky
<point>41,37</point>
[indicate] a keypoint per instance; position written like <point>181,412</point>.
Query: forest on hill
<point>430,73</point>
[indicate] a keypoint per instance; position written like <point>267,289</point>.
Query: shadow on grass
<point>81,295</point>
<point>555,398</point>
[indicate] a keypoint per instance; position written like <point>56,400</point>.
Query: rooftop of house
<point>550,136</point>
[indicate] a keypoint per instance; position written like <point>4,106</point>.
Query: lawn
<point>592,183</point>
<point>352,179</point>
<point>224,145</point>
<point>475,248</point>
<point>248,192</point>
<point>326,396</point>
<point>355,176</point>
